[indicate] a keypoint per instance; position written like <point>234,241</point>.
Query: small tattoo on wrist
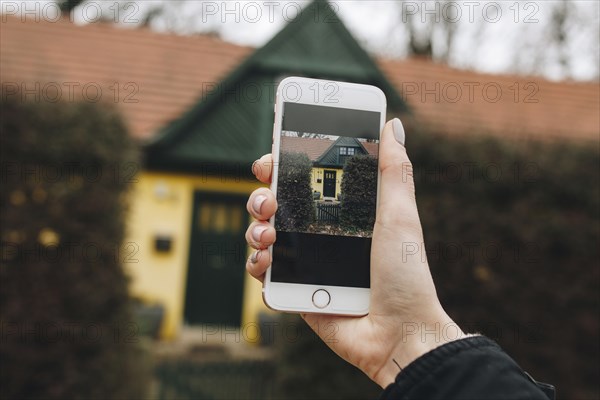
<point>396,362</point>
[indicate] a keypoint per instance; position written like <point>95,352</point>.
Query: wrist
<point>415,340</point>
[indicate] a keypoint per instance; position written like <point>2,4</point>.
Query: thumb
<point>397,205</point>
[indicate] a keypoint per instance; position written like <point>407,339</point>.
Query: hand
<point>405,319</point>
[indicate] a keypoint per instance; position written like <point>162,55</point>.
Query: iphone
<point>326,181</point>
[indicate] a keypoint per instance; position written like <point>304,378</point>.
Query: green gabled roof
<point>330,156</point>
<point>225,132</point>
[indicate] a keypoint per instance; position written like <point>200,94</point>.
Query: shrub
<point>67,330</point>
<point>512,231</point>
<point>359,193</point>
<point>307,369</point>
<point>294,193</point>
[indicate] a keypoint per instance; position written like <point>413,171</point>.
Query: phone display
<point>327,192</point>
<point>325,178</point>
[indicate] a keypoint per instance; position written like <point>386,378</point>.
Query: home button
<point>321,298</point>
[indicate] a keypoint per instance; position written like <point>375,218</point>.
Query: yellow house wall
<point>318,173</point>
<point>161,203</point>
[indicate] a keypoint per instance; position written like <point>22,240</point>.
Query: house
<point>328,157</point>
<point>202,110</point>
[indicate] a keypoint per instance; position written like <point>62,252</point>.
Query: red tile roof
<point>457,101</point>
<point>315,147</point>
<point>371,148</point>
<point>156,77</point>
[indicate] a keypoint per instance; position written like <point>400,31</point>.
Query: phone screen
<point>327,195</point>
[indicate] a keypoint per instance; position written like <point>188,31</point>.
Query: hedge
<point>359,193</point>
<point>294,193</point>
<point>307,369</point>
<point>512,231</point>
<point>66,319</point>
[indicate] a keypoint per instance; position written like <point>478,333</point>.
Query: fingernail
<point>399,131</point>
<point>254,166</point>
<point>258,201</point>
<point>258,231</point>
<point>254,257</point>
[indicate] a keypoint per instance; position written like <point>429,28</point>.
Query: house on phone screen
<point>328,158</point>
<point>202,110</point>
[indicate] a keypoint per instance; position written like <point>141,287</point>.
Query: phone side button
<point>321,298</point>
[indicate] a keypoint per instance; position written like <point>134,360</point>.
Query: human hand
<point>406,319</point>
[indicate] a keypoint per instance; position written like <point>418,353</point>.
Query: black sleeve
<point>471,368</point>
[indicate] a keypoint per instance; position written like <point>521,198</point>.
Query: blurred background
<point>128,129</point>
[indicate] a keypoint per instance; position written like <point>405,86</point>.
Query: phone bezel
<point>294,297</point>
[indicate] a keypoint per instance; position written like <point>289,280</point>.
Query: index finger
<point>263,167</point>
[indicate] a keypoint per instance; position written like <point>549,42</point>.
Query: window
<point>345,153</point>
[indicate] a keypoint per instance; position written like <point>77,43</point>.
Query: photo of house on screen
<point>327,185</point>
<point>328,157</point>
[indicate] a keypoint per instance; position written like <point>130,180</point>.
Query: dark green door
<point>215,279</point>
<point>329,184</point>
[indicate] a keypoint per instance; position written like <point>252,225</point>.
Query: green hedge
<point>66,321</point>
<point>359,189</point>
<point>513,247</point>
<point>294,193</point>
<point>307,369</point>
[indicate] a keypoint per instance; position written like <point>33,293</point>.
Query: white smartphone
<point>326,181</point>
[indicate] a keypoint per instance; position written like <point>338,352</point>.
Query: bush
<point>66,320</point>
<point>512,232</point>
<point>307,369</point>
<point>294,193</point>
<point>359,193</point>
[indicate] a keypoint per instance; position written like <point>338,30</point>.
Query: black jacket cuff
<point>471,368</point>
